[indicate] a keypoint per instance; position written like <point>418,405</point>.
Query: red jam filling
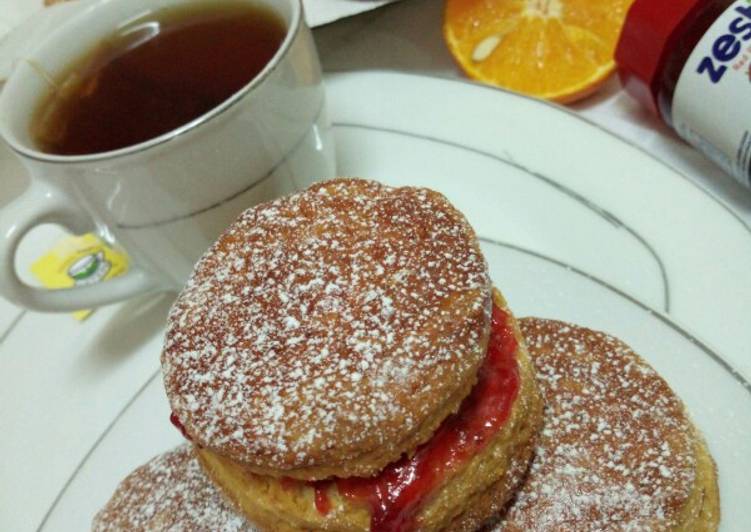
<point>322,501</point>
<point>323,504</point>
<point>176,422</point>
<point>396,494</point>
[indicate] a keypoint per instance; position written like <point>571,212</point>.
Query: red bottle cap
<point>645,40</point>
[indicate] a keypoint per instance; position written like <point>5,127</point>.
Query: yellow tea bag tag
<point>79,261</point>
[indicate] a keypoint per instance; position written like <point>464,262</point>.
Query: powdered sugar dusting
<point>169,493</point>
<point>616,451</point>
<point>327,323</point>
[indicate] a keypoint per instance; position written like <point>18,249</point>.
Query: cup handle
<point>40,204</point>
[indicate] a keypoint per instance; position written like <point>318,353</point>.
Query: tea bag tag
<point>79,261</point>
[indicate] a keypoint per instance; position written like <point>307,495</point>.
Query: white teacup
<point>163,201</point>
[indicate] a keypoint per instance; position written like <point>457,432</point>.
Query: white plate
<point>526,174</point>
<point>533,284</point>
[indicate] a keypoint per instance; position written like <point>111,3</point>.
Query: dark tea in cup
<point>166,200</point>
<point>156,73</point>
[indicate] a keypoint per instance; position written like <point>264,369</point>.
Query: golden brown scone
<point>617,450</point>
<point>465,494</point>
<point>328,332</point>
<point>169,493</point>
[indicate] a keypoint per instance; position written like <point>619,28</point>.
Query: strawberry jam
<point>395,495</point>
<point>320,487</point>
<point>179,426</point>
<point>323,504</point>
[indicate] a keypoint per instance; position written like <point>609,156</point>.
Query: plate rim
<point>334,75</point>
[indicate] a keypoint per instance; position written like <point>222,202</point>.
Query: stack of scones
<point>340,360</point>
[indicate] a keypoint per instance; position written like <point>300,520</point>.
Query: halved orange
<point>559,50</point>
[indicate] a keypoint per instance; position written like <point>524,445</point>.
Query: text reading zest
<point>727,46</point>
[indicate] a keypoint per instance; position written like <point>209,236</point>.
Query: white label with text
<point>712,100</point>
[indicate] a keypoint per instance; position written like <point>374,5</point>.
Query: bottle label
<point>708,104</point>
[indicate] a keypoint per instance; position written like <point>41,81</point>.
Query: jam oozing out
<point>321,499</point>
<point>323,504</point>
<point>395,495</point>
<point>176,422</point>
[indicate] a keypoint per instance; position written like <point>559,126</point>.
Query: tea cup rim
<point>21,148</point>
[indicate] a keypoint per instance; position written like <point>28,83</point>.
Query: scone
<point>333,358</point>
<point>169,493</point>
<point>617,450</point>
